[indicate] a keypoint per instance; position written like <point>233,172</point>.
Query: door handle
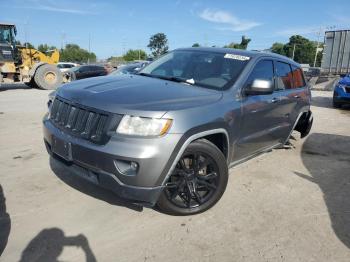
<point>274,100</point>
<point>296,96</point>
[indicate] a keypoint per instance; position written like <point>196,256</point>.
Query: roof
<point>8,24</point>
<point>252,54</point>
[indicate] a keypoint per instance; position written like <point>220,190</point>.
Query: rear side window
<point>284,76</point>
<point>84,69</point>
<point>263,70</point>
<point>298,78</point>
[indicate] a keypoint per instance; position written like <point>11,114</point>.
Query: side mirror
<point>260,87</point>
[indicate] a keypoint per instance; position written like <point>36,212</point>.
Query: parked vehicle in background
<point>65,66</point>
<point>168,135</point>
<point>86,71</point>
<point>341,94</point>
<point>336,59</point>
<point>132,68</point>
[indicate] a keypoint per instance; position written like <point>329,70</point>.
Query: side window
<point>284,76</point>
<point>263,70</point>
<point>298,77</point>
<point>84,69</point>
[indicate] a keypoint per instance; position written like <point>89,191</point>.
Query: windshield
<point>206,69</point>
<point>6,35</point>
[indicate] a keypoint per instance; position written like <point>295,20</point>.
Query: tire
<point>336,104</point>
<point>32,84</point>
<point>48,77</point>
<point>207,182</point>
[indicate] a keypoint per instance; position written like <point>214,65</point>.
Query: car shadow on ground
<point>14,86</point>
<point>90,189</point>
<point>327,158</point>
<point>5,222</point>
<point>49,244</point>
<point>326,102</point>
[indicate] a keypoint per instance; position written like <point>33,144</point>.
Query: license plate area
<point>62,148</point>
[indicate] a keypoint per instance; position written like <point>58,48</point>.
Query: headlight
<point>142,126</point>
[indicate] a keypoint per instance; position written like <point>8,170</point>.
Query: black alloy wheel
<point>197,181</point>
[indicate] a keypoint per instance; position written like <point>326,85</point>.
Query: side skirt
<point>260,152</point>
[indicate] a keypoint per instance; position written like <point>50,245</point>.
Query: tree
<point>278,48</point>
<point>195,45</point>
<point>44,48</point>
<point>158,44</point>
<point>243,45</point>
<point>28,45</point>
<point>304,50</point>
<point>73,53</point>
<point>132,55</point>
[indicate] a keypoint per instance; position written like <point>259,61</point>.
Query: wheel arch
<point>212,135</point>
<point>301,120</point>
<point>34,68</point>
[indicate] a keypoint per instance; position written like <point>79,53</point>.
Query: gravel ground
<point>286,205</point>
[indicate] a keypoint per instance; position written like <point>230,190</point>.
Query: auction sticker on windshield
<point>237,57</point>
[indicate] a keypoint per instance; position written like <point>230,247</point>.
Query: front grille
<point>347,89</point>
<point>86,123</point>
<point>6,53</point>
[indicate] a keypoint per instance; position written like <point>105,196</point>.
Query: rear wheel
<point>197,182</point>
<point>48,77</point>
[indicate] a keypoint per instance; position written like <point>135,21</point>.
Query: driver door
<point>261,115</point>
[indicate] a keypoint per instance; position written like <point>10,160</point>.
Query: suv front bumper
<point>99,163</point>
<point>340,96</point>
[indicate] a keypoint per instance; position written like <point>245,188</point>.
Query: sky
<point>113,27</point>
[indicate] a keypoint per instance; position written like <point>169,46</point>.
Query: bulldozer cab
<point>7,42</point>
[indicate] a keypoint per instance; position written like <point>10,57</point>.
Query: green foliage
<point>195,45</point>
<point>73,53</point>
<point>158,44</point>
<point>136,54</point>
<point>28,45</point>
<point>243,45</point>
<point>278,48</point>
<point>116,60</point>
<point>304,52</point>
<point>44,48</point>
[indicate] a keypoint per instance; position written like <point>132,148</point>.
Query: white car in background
<point>65,66</point>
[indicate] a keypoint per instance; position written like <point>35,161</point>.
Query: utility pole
<point>63,38</point>
<point>318,44</point>
<point>293,51</point>
<point>89,49</point>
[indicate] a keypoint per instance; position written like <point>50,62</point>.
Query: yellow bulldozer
<point>21,64</point>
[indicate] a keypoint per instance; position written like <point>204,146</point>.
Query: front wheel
<point>197,182</point>
<point>48,77</point>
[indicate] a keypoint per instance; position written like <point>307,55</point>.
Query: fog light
<point>127,168</point>
<point>134,166</point>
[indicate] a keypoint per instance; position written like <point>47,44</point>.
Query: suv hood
<point>131,94</point>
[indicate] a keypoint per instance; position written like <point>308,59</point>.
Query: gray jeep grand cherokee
<point>168,135</point>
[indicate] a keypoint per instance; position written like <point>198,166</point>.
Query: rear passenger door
<point>291,90</point>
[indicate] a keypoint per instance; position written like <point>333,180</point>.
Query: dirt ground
<point>287,205</point>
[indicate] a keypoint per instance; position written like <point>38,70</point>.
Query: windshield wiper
<point>180,80</point>
<point>170,78</point>
<point>145,74</point>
